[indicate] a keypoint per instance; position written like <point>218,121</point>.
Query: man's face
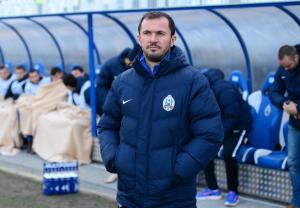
<point>4,73</point>
<point>76,73</point>
<point>57,76</point>
<point>289,63</point>
<point>34,77</point>
<point>155,38</point>
<point>20,73</point>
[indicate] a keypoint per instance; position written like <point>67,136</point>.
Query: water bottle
<point>47,181</point>
<point>56,179</point>
<point>73,178</point>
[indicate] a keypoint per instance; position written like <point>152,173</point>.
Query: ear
<point>296,57</point>
<point>173,40</point>
<point>138,38</point>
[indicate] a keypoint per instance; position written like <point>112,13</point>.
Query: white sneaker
<point>111,178</point>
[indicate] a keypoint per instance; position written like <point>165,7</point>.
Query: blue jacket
<point>157,132</point>
<point>235,112</point>
<point>287,81</point>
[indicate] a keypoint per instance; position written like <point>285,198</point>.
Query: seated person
<point>16,88</point>
<point>78,71</point>
<point>77,87</point>
<point>35,82</point>
<point>56,74</point>
<point>6,79</point>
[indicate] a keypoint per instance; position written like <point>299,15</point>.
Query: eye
<point>146,32</point>
<point>161,33</point>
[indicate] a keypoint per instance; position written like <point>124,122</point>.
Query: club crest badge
<point>168,103</point>
<point>267,110</point>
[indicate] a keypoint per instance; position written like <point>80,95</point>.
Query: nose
<point>153,37</point>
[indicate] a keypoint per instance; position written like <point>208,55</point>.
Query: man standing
<point>236,119</point>
<point>287,79</point>
<point>161,123</point>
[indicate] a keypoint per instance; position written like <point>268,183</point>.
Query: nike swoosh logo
<point>126,101</point>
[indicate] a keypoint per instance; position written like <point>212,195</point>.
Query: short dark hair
<point>79,68</point>
<point>3,67</point>
<point>55,70</point>
<point>69,80</point>
<point>33,71</point>
<point>157,15</point>
<point>20,67</point>
<point>287,50</point>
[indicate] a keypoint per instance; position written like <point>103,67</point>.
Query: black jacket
<point>235,112</point>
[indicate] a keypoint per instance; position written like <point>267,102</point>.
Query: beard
<point>154,57</point>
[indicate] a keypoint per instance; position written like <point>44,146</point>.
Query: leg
<point>212,190</point>
<point>294,163</point>
<point>29,139</point>
<point>210,177</point>
<point>231,164</point>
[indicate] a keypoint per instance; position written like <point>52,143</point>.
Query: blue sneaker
<point>232,199</point>
<point>207,193</point>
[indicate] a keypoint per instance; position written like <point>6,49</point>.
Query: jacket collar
<point>176,60</point>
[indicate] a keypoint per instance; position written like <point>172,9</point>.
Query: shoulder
<point>193,76</point>
<point>127,78</point>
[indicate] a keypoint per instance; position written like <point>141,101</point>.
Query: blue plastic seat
<point>9,66</point>
<point>265,125</point>
<point>274,159</point>
<point>237,78</point>
<point>40,68</point>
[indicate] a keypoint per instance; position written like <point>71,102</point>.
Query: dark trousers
<point>231,166</point>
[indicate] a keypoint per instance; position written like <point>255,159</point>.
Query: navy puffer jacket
<point>235,112</point>
<point>287,81</point>
<point>157,132</point>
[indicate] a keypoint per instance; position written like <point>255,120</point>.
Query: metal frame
<point>122,25</point>
<point>255,5</point>
<point>86,33</point>
<point>53,38</point>
<point>289,13</point>
<point>92,74</point>
<point>188,51</point>
<point>22,40</point>
<point>242,43</point>
<point>2,56</point>
<point>108,14</point>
